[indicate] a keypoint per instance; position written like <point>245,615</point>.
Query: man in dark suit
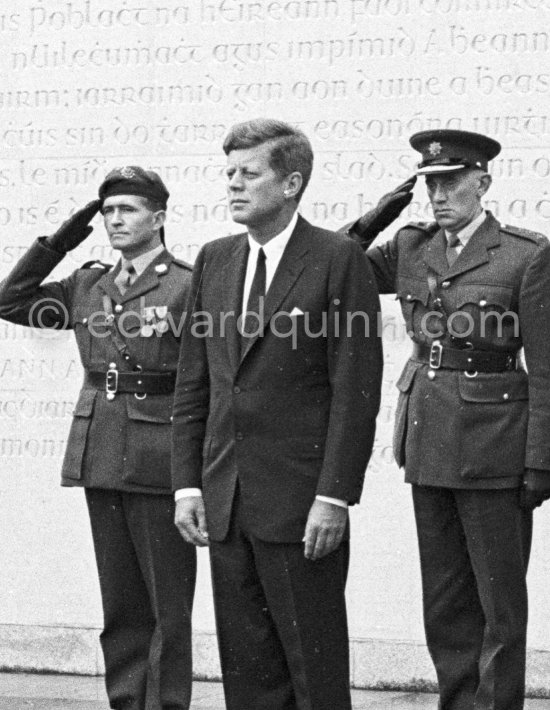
<point>471,425</point>
<point>273,428</point>
<point>126,322</point>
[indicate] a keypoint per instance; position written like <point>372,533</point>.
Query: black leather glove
<point>387,210</point>
<point>536,488</point>
<point>74,230</point>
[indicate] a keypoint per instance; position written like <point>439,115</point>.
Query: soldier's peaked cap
<point>446,150</point>
<point>133,180</point>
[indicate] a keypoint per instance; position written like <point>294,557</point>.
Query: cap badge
<point>127,172</point>
<point>434,148</point>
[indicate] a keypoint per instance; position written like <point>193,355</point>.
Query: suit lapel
<point>232,284</point>
<point>289,269</point>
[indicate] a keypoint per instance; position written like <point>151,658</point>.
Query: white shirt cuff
<point>334,501</point>
<point>187,493</point>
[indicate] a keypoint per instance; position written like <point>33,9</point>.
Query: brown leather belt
<point>114,381</point>
<point>438,356</point>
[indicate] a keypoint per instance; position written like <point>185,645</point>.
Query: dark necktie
<point>452,243</point>
<point>252,321</point>
<point>126,277</point>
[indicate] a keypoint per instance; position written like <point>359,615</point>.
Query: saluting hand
<point>387,210</point>
<point>325,527</point>
<point>190,520</point>
<point>75,229</point>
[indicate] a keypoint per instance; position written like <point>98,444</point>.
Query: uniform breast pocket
<point>413,294</point>
<point>485,310</point>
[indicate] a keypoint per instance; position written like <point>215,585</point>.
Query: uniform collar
<point>466,232</point>
<point>141,262</point>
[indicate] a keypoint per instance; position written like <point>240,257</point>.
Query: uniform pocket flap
<point>493,387</point>
<point>154,408</point>
<point>85,403</point>
<point>410,289</point>
<point>404,383</point>
<point>485,296</point>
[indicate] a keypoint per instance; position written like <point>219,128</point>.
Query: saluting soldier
<point>127,322</point>
<point>472,425</point>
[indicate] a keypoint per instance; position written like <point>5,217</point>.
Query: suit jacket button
<point>237,390</point>
<point>239,436</point>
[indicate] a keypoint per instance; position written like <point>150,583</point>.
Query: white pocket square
<point>296,312</point>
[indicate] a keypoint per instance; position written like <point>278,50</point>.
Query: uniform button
<point>239,436</point>
<point>431,374</point>
<point>84,321</point>
<point>409,297</point>
<point>506,396</point>
<point>445,284</point>
<point>118,308</point>
<point>483,303</point>
<point>237,390</point>
<point>112,366</point>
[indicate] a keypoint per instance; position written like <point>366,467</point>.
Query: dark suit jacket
<point>294,416</point>
<point>452,429</point>
<point>122,444</point>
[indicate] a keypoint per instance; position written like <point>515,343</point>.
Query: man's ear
<point>293,185</point>
<point>159,218</point>
<point>485,181</point>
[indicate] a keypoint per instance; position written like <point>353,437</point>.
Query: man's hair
<point>290,148</point>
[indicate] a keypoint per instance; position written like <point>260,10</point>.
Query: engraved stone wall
<point>89,85</point>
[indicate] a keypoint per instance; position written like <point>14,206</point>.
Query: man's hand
<point>325,527</point>
<point>74,230</point>
<point>536,488</point>
<point>191,521</point>
<point>387,210</point>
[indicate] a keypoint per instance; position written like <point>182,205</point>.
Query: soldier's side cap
<point>133,180</point>
<point>446,150</point>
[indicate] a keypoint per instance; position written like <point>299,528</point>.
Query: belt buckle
<point>111,383</point>
<point>436,353</point>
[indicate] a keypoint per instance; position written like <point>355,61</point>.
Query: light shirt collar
<point>273,251</point>
<point>141,262</point>
<point>466,232</point>
<point>275,246</point>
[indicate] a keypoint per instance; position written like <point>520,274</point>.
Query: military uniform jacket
<point>123,444</point>
<point>472,430</point>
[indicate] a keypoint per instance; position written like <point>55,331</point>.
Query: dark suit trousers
<point>474,550</point>
<point>147,579</point>
<point>281,622</point>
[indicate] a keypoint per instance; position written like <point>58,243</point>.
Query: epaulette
<point>430,227</point>
<point>522,233</point>
<point>96,264</point>
<point>183,264</point>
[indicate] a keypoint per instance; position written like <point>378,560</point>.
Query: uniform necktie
<point>252,316</point>
<point>125,277</point>
<point>452,243</point>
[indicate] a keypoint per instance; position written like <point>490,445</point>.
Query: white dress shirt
<point>273,251</point>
